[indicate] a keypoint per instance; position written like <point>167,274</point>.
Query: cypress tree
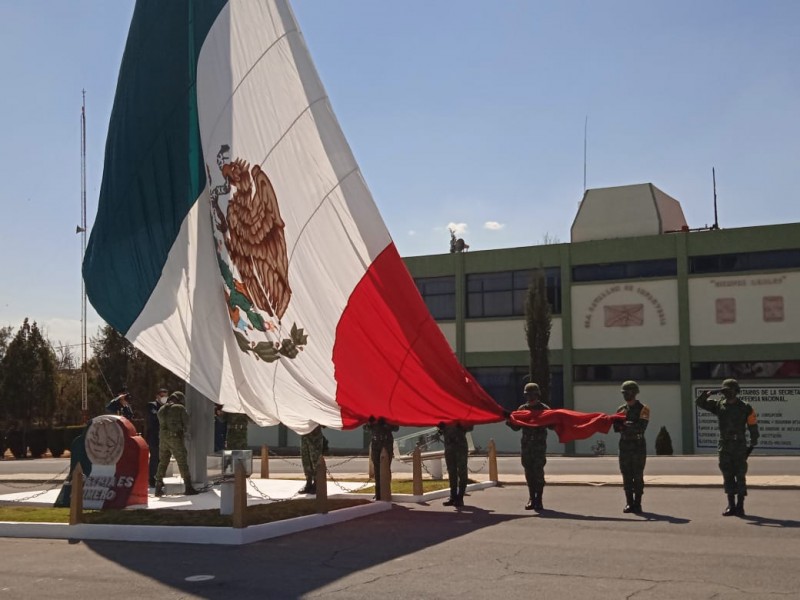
<point>537,332</point>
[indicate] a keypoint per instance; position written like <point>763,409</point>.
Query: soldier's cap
<point>531,388</point>
<point>730,384</point>
<point>630,386</point>
<point>176,397</point>
<point>163,391</point>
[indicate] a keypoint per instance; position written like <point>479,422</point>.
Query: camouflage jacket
<point>532,435</point>
<point>455,435</point>
<point>734,418</point>
<point>637,417</point>
<point>173,418</point>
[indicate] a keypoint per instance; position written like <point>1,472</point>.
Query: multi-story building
<point>634,295</point>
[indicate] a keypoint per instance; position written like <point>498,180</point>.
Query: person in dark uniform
<point>456,453</point>
<point>632,446</point>
<point>381,437</point>
<point>533,449</point>
<point>310,451</point>
<point>151,432</point>
<point>220,429</point>
<point>120,405</point>
<point>734,416</point>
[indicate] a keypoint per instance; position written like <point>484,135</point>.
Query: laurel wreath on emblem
<point>252,233</point>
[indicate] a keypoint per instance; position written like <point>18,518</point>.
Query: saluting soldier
<point>174,424</point>
<point>381,437</point>
<point>735,416</point>
<point>533,450</point>
<point>632,445</point>
<point>456,455</point>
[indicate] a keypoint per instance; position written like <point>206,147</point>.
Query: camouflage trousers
<point>733,464</point>
<point>310,451</point>
<point>534,458</point>
<point>375,456</point>
<point>170,445</point>
<point>455,457</point>
<point>632,458</point>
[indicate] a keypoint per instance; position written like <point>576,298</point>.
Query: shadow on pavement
<point>767,522</point>
<point>650,516</point>
<point>556,514</point>
<point>295,565</point>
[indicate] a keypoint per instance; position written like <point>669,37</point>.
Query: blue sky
<point>459,112</point>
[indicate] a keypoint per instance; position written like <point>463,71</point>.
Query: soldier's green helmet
<point>531,389</point>
<point>730,384</point>
<point>630,386</point>
<point>176,397</point>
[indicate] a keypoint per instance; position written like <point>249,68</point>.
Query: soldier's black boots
<point>740,505</point>
<point>159,489</point>
<point>731,509</point>
<point>188,490</point>
<point>459,501</point>
<point>537,501</point>
<point>453,498</point>
<point>307,488</point>
<point>637,503</point>
<point>630,503</point>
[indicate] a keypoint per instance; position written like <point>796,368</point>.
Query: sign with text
<point>778,410</point>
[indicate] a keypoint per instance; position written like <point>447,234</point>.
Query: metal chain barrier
<point>479,469</point>
<point>26,486</point>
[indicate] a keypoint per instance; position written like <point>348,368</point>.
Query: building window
<point>759,369</point>
<point>667,267</point>
<point>503,294</point>
<point>439,294</point>
<point>505,384</point>
<point>745,261</point>
<point>620,373</point>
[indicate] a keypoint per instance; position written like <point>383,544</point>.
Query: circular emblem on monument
<point>105,441</point>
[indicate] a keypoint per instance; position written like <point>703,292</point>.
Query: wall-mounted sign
<point>778,410</point>
<point>627,314</point>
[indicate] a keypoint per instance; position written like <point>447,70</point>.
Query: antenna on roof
<point>714,180</point>
<point>585,129</point>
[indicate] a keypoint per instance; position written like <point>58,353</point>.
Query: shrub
<point>17,443</point>
<point>55,441</point>
<point>663,443</point>
<point>37,442</point>
<point>70,433</point>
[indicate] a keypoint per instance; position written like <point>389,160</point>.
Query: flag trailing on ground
<point>237,244</point>
<point>569,425</point>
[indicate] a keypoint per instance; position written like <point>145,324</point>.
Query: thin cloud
<point>493,225</point>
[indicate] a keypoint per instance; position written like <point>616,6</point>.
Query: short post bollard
<point>416,477</point>
<point>321,481</point>
<point>76,498</point>
<point>264,462</point>
<point>493,462</point>
<point>239,495</point>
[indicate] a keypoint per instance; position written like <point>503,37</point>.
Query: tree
<point>29,382</point>
<point>537,332</point>
<point>117,363</point>
<point>68,387</point>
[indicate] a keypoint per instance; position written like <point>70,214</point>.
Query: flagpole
<point>82,228</point>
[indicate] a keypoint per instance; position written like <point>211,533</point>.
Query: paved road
<point>586,548</point>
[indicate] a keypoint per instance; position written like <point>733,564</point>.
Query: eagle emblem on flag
<point>250,231</point>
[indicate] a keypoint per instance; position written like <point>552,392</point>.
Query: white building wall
<point>664,401</point>
<point>625,314</point>
<point>506,335</point>
<point>449,331</point>
<point>745,309</point>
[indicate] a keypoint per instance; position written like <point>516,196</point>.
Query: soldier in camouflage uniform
<point>310,451</point>
<point>632,446</point>
<point>174,424</point>
<point>456,453</point>
<point>381,437</point>
<point>534,448</point>
<point>734,416</point>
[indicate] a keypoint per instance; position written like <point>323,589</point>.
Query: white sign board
<point>778,410</point>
